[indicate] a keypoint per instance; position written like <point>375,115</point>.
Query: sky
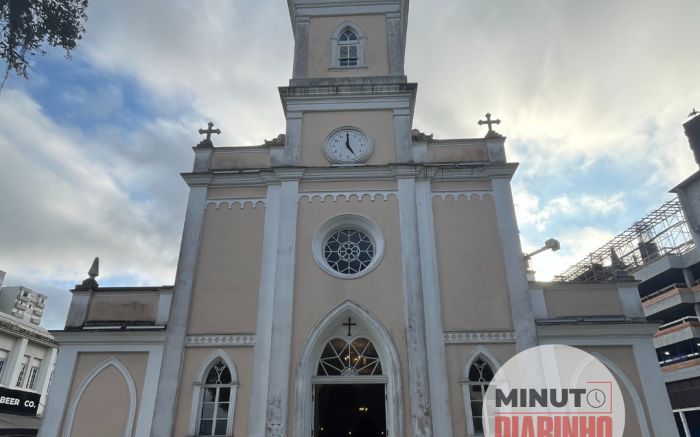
<point>591,94</point>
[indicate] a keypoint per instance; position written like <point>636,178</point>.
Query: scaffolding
<point>663,232</point>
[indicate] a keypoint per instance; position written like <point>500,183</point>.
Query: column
<point>418,378</point>
<point>292,146</point>
<point>689,277</point>
<point>516,277</point>
<point>166,395</point>
<point>437,367</point>
<point>14,362</point>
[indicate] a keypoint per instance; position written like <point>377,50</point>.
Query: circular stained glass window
<point>348,251</point>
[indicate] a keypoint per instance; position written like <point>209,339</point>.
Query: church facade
<point>354,276</point>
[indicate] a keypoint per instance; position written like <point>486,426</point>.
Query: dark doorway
<point>349,410</point>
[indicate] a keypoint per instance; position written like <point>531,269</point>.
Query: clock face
<point>348,146</point>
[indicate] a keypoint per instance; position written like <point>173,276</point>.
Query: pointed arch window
<point>215,394</point>
<point>348,46</point>
<point>479,375</point>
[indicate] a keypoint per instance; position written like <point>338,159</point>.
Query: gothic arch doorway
<point>348,374</point>
<point>349,389</point>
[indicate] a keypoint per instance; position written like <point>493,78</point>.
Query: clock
<point>348,145</point>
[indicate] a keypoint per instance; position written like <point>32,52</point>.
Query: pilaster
<point>402,132</point>
<point>292,146</point>
<point>516,277</point>
<point>655,393</point>
<point>301,47</point>
<point>173,354</point>
<point>395,43</point>
<point>278,389</point>
<point>434,333</point>
<point>421,420</point>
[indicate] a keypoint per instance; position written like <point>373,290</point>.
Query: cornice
<point>570,329</point>
<point>426,171</point>
<point>112,337</point>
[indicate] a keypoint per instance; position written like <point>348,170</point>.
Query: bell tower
<point>348,102</point>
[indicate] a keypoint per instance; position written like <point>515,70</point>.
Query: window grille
<point>349,358</point>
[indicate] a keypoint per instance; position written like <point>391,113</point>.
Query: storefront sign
<point>18,402</point>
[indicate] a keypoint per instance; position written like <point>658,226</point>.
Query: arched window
<point>349,358</point>
<point>216,395</point>
<point>348,46</point>
<point>478,376</point>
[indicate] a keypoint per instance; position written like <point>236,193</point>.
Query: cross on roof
<point>350,324</point>
<point>489,122</point>
<point>209,131</point>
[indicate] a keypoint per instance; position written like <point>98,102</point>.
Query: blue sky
<point>592,96</point>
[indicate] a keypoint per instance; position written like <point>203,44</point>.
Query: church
<point>352,277</point>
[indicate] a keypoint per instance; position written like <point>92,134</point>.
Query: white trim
<point>311,352</point>
<point>478,337</point>
<point>344,9</point>
<point>455,195</point>
<point>233,340</point>
<point>240,202</point>
<point>346,195</point>
<point>479,351</point>
<point>67,430</point>
<point>197,391</point>
<point>437,367</point>
<point>350,103</point>
<point>349,221</point>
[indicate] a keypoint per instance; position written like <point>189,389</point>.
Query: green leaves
<point>26,25</point>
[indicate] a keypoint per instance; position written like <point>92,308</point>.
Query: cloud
<point>69,198</point>
<point>529,211</point>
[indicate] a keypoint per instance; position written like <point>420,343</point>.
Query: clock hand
<point>347,143</point>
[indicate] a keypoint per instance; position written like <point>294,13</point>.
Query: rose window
<point>349,251</point>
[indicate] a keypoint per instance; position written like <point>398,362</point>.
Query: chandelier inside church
<point>349,358</point>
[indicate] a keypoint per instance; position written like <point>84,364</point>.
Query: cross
<point>350,324</point>
<point>489,121</point>
<point>209,131</point>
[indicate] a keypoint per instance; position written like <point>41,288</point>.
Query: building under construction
<point>662,251</point>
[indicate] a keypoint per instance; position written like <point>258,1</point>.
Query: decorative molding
<point>242,202</point>
<point>131,386</point>
<point>455,195</point>
<point>478,337</point>
<point>235,340</point>
<point>347,195</point>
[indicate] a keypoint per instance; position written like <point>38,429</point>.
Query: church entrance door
<point>349,390</point>
<point>356,410</point>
